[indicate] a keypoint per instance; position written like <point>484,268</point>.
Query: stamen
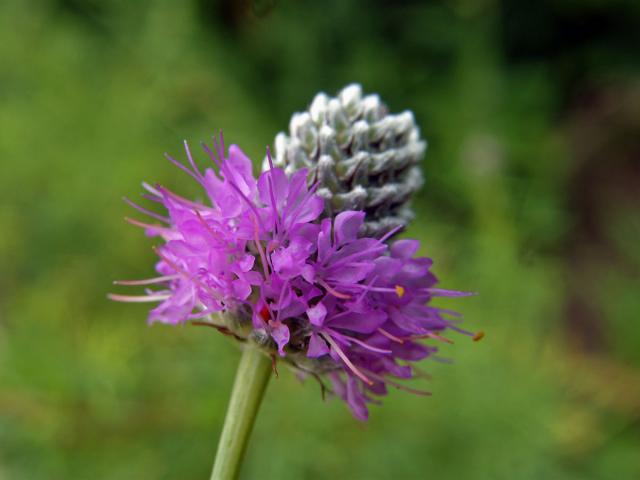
<point>186,274</point>
<point>146,212</point>
<point>209,152</point>
<point>391,232</point>
<point>149,281</point>
<point>178,198</point>
<point>248,202</point>
<point>220,144</point>
<point>345,359</point>
<point>282,293</point>
<point>419,373</point>
<point>459,330</point>
<point>263,257</point>
<point>400,291</point>
<point>352,258</point>
<point>366,288</point>
<point>296,213</point>
<point>440,292</point>
<point>191,162</point>
<point>137,298</point>
<point>435,336</point>
<point>225,170</point>
<point>206,225</point>
<point>294,195</point>
<point>223,165</point>
<point>153,198</point>
<point>147,225</point>
<point>390,336</point>
<point>271,192</point>
<point>182,167</point>
<point>446,311</point>
<point>150,189</point>
<point>397,385</point>
<point>269,159</point>
<point>333,292</point>
<point>360,342</point>
<point>369,288</point>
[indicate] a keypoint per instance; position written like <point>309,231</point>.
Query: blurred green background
<point>532,113</point>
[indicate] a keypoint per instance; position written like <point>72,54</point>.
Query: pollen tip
<point>478,336</point>
<point>400,291</point>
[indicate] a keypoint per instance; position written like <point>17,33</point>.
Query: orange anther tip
<point>478,336</point>
<point>400,291</point>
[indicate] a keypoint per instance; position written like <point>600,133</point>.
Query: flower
<point>311,291</point>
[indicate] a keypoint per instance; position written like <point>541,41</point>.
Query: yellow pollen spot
<point>400,291</point>
<point>478,336</point>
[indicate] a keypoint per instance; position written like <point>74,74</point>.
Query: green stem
<point>251,381</point>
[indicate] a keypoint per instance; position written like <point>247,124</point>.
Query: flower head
<point>362,156</point>
<point>257,262</point>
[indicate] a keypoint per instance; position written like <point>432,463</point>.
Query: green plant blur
<point>532,112</point>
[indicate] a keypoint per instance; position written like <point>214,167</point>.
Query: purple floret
<point>260,251</point>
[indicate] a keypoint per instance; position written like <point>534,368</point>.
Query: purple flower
<point>308,289</point>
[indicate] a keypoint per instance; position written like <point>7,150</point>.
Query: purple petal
<point>280,334</point>
<point>294,308</point>
<point>259,323</point>
<point>240,168</point>
<point>317,314</point>
<point>411,351</point>
<point>351,273</point>
<point>246,263</point>
<point>308,273</point>
<point>356,400</point>
<point>358,322</point>
<point>317,346</point>
<point>346,226</point>
<point>224,197</point>
<point>275,181</point>
<point>241,289</point>
<point>289,261</point>
<point>324,240</point>
<point>302,207</point>
<point>404,248</point>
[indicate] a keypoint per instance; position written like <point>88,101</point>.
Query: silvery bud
<point>363,157</point>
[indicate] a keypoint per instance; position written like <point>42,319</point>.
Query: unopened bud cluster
<point>363,157</point>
